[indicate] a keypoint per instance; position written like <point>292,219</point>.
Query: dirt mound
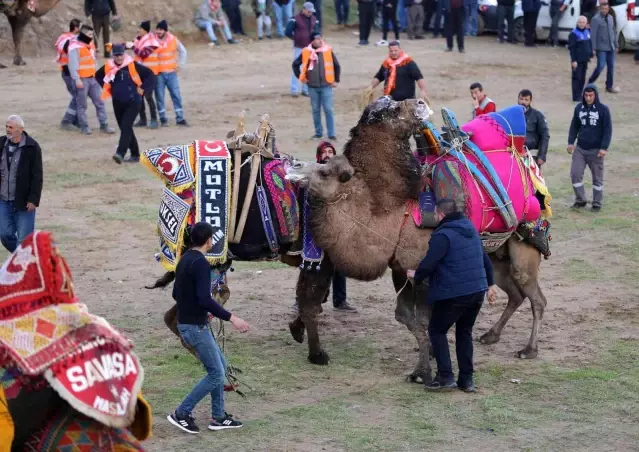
<point>41,33</point>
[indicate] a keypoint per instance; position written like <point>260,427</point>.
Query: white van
<point>624,11</point>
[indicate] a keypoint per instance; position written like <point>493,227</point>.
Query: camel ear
<point>345,176</point>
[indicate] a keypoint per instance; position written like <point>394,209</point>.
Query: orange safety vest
<point>109,66</point>
<point>86,69</point>
<point>63,57</point>
<point>329,70</point>
<point>152,61</point>
<point>167,54</point>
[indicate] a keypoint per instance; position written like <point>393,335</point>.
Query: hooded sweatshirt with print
<point>591,125</point>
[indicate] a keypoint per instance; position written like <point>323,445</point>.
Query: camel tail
<point>162,282</point>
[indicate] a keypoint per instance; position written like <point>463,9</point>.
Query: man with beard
<point>126,82</point>
<point>82,68</point>
<point>326,151</point>
<point>317,67</point>
<point>537,135</point>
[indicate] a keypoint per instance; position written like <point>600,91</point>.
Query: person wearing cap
<point>299,29</point>
<point>144,48</point>
<point>126,82</point>
<point>171,55</point>
<point>317,67</point>
<point>326,151</point>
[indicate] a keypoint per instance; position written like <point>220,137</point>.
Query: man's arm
<point>297,65</point>
<point>144,52</point>
<point>114,11</point>
<point>379,77</point>
<point>575,125</point>
<point>337,68</point>
<point>74,64</point>
<point>606,123</point>
<point>572,42</point>
<point>202,274</point>
<point>99,76</point>
<point>147,76</point>
<point>490,108</point>
<point>594,30</point>
<point>290,28</point>
<point>437,249</point>
<point>182,54</point>
<point>36,178</point>
<point>544,136</point>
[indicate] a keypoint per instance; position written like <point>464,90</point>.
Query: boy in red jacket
<point>482,104</point>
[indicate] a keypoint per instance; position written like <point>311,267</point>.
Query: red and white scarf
<point>108,78</point>
<point>61,42</point>
<point>148,40</point>
<point>75,44</point>
<point>314,52</point>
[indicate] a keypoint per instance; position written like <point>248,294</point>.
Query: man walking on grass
<point>591,126</point>
<point>603,34</point>
<point>192,292</point>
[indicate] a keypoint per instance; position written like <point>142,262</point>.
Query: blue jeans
<point>438,28</point>
<point>15,225</point>
<point>295,83</point>
<point>283,13</point>
<point>471,18</point>
<point>168,80</point>
<point>210,355</point>
<point>341,11</point>
<point>605,58</point>
<point>209,26</point>
<point>322,99</point>
<point>402,15</point>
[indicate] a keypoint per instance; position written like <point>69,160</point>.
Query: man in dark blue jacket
<point>580,47</point>
<point>591,126</point>
<point>459,273</point>
<point>530,8</point>
<point>126,81</point>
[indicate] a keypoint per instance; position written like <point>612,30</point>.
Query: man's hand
<point>594,53</point>
<point>140,91</point>
<point>31,207</point>
<point>116,17</point>
<point>410,273</point>
<point>602,153</point>
<point>79,84</point>
<point>492,295</point>
<point>574,64</point>
<point>571,147</point>
<point>475,102</point>
<point>562,8</point>
<point>334,85</point>
<point>239,324</point>
<point>540,162</point>
<point>424,95</point>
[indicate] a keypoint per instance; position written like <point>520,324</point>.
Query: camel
<point>358,204</point>
<point>19,14</point>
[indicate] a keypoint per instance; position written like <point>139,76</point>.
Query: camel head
<point>402,119</point>
<point>322,180</point>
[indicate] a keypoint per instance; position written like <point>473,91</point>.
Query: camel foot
<point>527,353</point>
<point>18,61</point>
<point>420,377</point>
<point>489,338</point>
<point>297,330</point>
<point>321,358</point>
<point>2,66</point>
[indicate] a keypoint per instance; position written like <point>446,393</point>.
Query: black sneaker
<point>345,307</point>
<point>466,387</point>
<point>596,209</point>
<point>117,158</point>
<point>164,122</point>
<point>183,123</point>
<point>437,385</point>
<point>579,205</point>
<point>223,424</point>
<point>132,159</point>
<point>140,123</point>
<point>186,423</point>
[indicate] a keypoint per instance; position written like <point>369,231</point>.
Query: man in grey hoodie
<point>604,43</point>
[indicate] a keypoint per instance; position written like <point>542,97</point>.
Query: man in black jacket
<point>20,183</point>
<point>126,81</point>
<point>537,135</point>
<point>506,12</point>
<point>100,12</point>
<point>591,126</point>
<point>192,293</point>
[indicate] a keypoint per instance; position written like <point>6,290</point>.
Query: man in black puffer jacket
<point>459,274</point>
<point>537,135</point>
<point>126,81</point>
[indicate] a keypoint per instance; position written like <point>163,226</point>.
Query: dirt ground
<point>103,217</point>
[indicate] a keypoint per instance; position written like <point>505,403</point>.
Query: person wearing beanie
<point>144,47</point>
<point>126,82</point>
<point>318,69</point>
<point>209,17</point>
<point>299,29</point>
<point>171,55</point>
<point>100,12</point>
<point>325,152</point>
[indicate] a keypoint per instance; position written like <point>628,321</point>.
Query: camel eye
<point>323,174</point>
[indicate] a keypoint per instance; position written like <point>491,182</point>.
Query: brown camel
<point>19,16</point>
<point>359,217</point>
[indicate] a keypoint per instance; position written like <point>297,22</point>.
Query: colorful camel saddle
<point>49,338</point>
<point>485,167</point>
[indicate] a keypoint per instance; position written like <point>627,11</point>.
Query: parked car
<point>487,18</point>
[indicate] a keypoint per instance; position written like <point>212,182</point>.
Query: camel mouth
<point>299,172</point>
<point>422,111</point>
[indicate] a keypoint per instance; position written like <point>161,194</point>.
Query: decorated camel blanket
<point>49,338</point>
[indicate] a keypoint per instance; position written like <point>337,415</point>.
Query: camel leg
<point>170,319</point>
<point>538,303</point>
<point>18,23</point>
<point>312,287</point>
<point>414,313</point>
<point>505,282</point>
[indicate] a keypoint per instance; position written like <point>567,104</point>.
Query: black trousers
<point>339,288</point>
<point>454,25</point>
<point>232,10</point>
<point>506,13</point>
<point>579,81</point>
<point>102,24</point>
<point>530,23</point>
<point>125,114</point>
<point>390,13</point>
<point>152,108</point>
<point>430,8</point>
<point>462,312</point>
<point>366,19</point>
